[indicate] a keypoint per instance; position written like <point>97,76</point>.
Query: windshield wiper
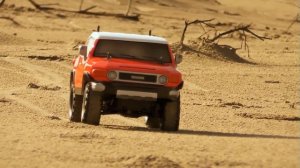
<point>127,56</point>
<point>161,60</point>
<point>108,56</point>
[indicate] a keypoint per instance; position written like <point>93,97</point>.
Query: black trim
<point>112,87</point>
<point>85,79</point>
<point>137,77</point>
<point>71,76</point>
<point>180,86</point>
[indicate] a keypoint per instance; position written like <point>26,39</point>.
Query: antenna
<point>98,28</point>
<point>150,32</point>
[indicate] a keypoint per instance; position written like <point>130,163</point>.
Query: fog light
<point>98,87</point>
<point>162,79</point>
<point>112,75</point>
<point>174,93</point>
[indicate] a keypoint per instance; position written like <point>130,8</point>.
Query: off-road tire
<point>75,104</point>
<point>171,116</point>
<point>91,106</point>
<point>1,2</point>
<point>153,122</point>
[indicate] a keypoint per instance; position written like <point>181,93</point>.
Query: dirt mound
<point>78,136</point>
<point>7,39</point>
<point>222,52</point>
<point>53,117</point>
<point>153,161</point>
<point>211,50</point>
<point>295,105</point>
<point>51,88</point>
<point>48,58</point>
<point>4,100</point>
<point>236,105</point>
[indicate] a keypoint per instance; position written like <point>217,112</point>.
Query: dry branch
<point>296,19</point>
<point>40,7</point>
<point>80,6</point>
<point>50,4</point>
<point>237,29</point>
<point>10,19</point>
<point>85,12</point>
<point>201,22</point>
<point>87,9</point>
<point>243,29</point>
<point>129,7</point>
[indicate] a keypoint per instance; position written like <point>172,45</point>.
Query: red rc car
<point>133,75</point>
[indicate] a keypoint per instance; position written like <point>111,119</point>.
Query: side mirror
<point>178,58</point>
<point>83,51</point>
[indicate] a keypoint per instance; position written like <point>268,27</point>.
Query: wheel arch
<point>85,79</point>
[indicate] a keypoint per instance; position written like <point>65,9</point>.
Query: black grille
<point>137,77</point>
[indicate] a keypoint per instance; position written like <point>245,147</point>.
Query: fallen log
<point>85,11</point>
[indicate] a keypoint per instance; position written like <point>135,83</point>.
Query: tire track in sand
<point>46,76</point>
<point>8,94</point>
<point>193,86</point>
<point>34,107</point>
<point>43,75</point>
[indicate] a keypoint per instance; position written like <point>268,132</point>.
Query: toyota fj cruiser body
<point>133,75</point>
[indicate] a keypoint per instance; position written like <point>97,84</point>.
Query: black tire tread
<point>93,107</point>
<point>153,122</point>
<point>76,111</point>
<point>75,104</point>
<point>171,116</point>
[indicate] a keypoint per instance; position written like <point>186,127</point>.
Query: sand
<point>232,115</point>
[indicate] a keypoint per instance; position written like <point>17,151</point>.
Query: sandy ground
<point>233,114</point>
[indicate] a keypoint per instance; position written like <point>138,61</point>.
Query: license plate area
<point>128,94</point>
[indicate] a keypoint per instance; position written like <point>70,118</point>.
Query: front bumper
<point>135,91</point>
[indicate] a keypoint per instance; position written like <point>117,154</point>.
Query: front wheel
<point>91,106</point>
<point>75,104</point>
<point>171,116</point>
<point>153,122</point>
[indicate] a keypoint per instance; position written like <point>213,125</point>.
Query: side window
<point>90,44</point>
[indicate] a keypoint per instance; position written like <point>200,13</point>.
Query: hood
<point>101,66</point>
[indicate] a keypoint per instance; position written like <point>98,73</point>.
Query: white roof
<point>128,37</point>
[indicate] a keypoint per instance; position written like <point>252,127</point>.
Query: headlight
<point>112,75</point>
<point>162,79</point>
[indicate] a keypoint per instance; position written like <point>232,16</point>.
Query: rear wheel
<point>91,106</point>
<point>75,104</point>
<point>153,122</point>
<point>171,116</point>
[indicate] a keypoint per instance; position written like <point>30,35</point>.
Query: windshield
<point>153,52</point>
